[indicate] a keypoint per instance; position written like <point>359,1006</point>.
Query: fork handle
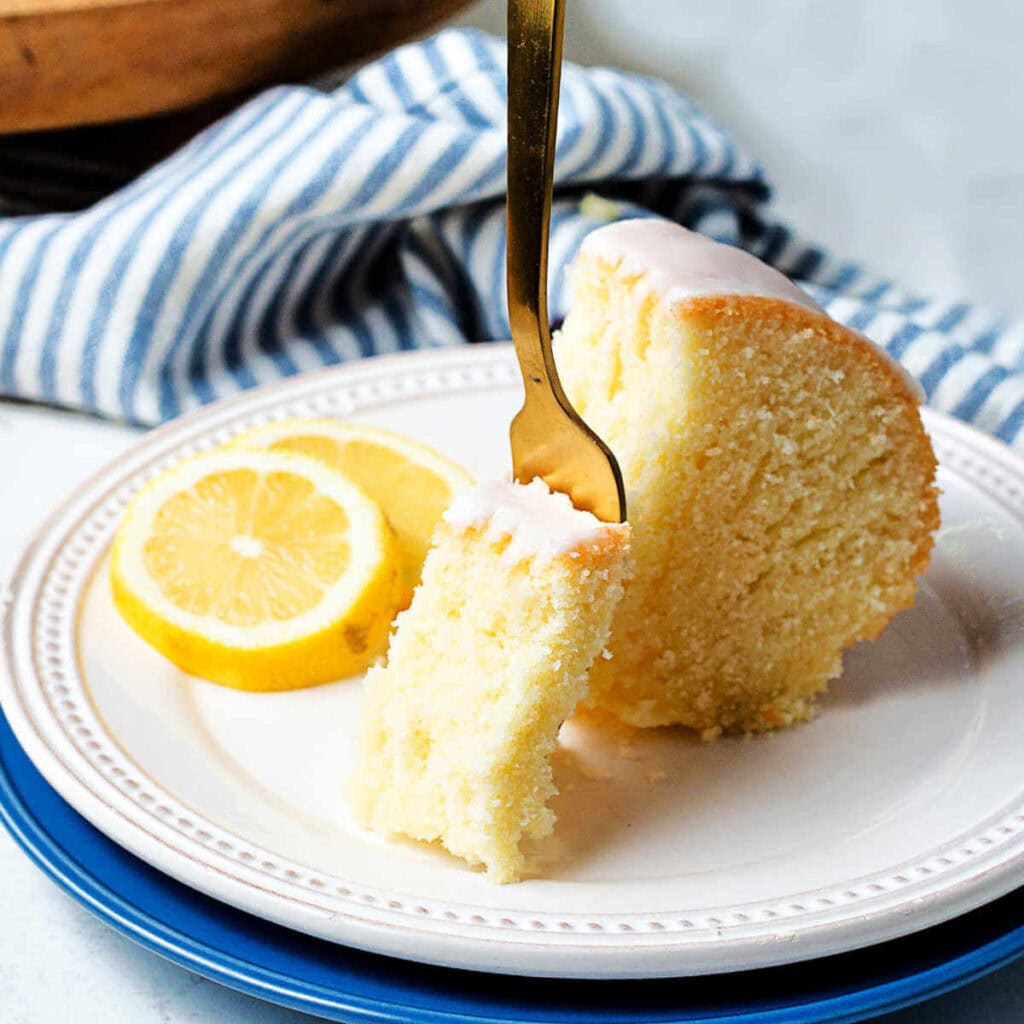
<point>535,29</point>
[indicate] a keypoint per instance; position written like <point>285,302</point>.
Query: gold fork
<point>549,440</point>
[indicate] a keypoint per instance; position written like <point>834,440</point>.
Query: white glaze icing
<point>681,265</point>
<point>539,522</point>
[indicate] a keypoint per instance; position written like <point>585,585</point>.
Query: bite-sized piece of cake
<point>780,485</point>
<point>458,729</point>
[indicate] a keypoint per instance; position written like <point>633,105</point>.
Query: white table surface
<point>892,133</point>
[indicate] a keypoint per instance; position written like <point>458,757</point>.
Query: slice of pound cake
<point>458,729</point>
<point>780,486</point>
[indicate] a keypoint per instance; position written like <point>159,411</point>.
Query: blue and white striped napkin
<point>310,228</point>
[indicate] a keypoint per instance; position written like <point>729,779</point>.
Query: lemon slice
<point>260,570</point>
<point>412,483</point>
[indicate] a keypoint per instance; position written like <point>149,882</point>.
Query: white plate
<point>902,805</point>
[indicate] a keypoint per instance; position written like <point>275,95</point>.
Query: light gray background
<point>893,134</point>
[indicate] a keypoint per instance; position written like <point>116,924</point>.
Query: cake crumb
<point>807,531</point>
<point>451,682</point>
<point>596,207</point>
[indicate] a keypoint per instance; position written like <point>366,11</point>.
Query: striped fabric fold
<point>309,228</point>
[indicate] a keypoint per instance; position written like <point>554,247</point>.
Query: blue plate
<point>332,981</point>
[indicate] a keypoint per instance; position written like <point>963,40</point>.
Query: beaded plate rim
<point>45,698</point>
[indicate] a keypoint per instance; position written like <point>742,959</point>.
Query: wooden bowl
<point>76,62</point>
